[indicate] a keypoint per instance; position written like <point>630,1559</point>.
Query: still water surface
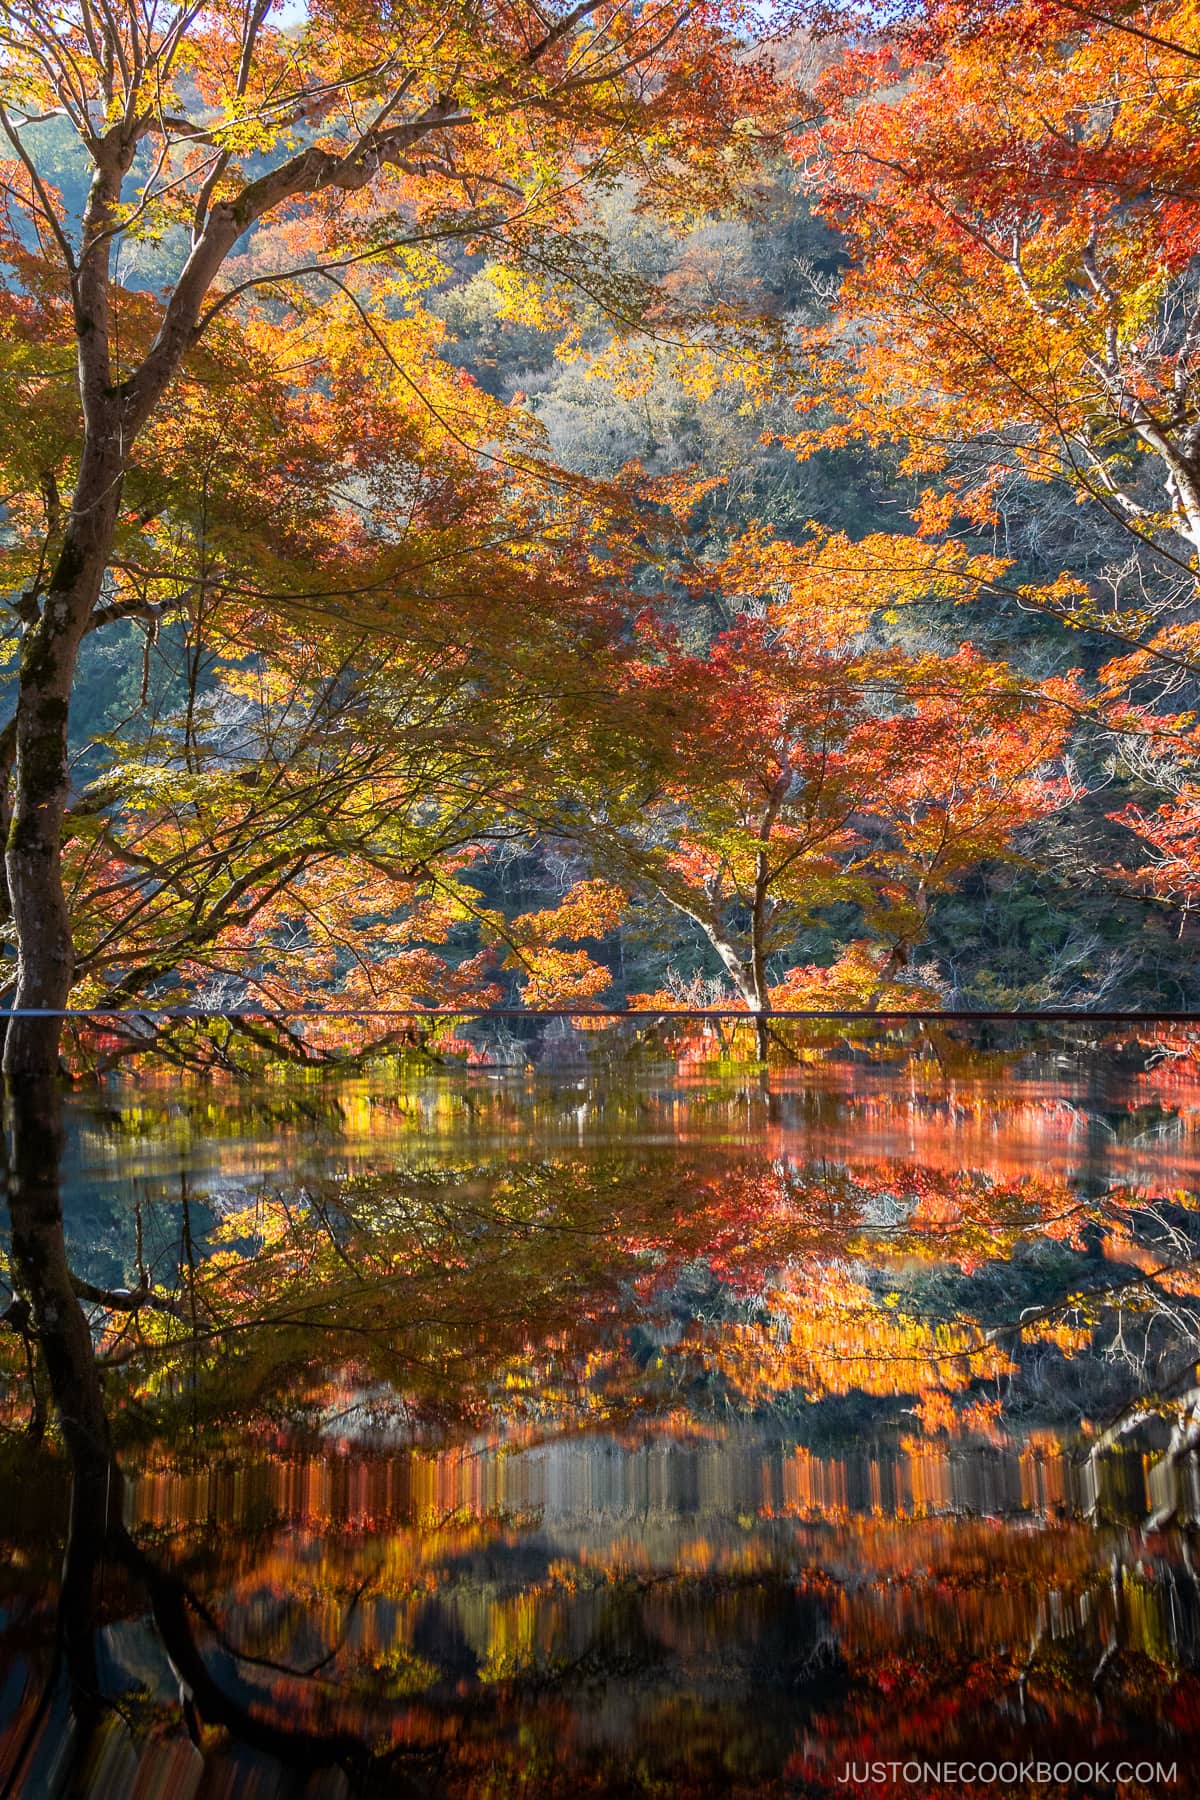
<point>616,1426</point>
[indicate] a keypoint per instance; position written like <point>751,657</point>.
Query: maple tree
<point>294,184</point>
<point>812,768</point>
<point>1010,178</point>
<point>1012,182</point>
<point>309,825</point>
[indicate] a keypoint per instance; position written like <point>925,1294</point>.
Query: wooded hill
<point>600,511</point>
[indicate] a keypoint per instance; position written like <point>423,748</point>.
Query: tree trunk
<point>758,948</point>
<point>33,856</point>
<point>750,984</point>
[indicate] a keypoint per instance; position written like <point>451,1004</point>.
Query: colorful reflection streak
<point>478,1433</point>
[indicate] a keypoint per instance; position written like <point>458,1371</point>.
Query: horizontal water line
<point>643,1016</point>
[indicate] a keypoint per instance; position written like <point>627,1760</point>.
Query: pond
<point>606,1413</point>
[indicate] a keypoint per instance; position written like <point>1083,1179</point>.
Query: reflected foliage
<point>455,1431</point>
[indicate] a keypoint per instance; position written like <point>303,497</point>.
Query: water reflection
<point>478,1432</point>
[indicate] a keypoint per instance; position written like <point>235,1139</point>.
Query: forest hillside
<point>667,516</point>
